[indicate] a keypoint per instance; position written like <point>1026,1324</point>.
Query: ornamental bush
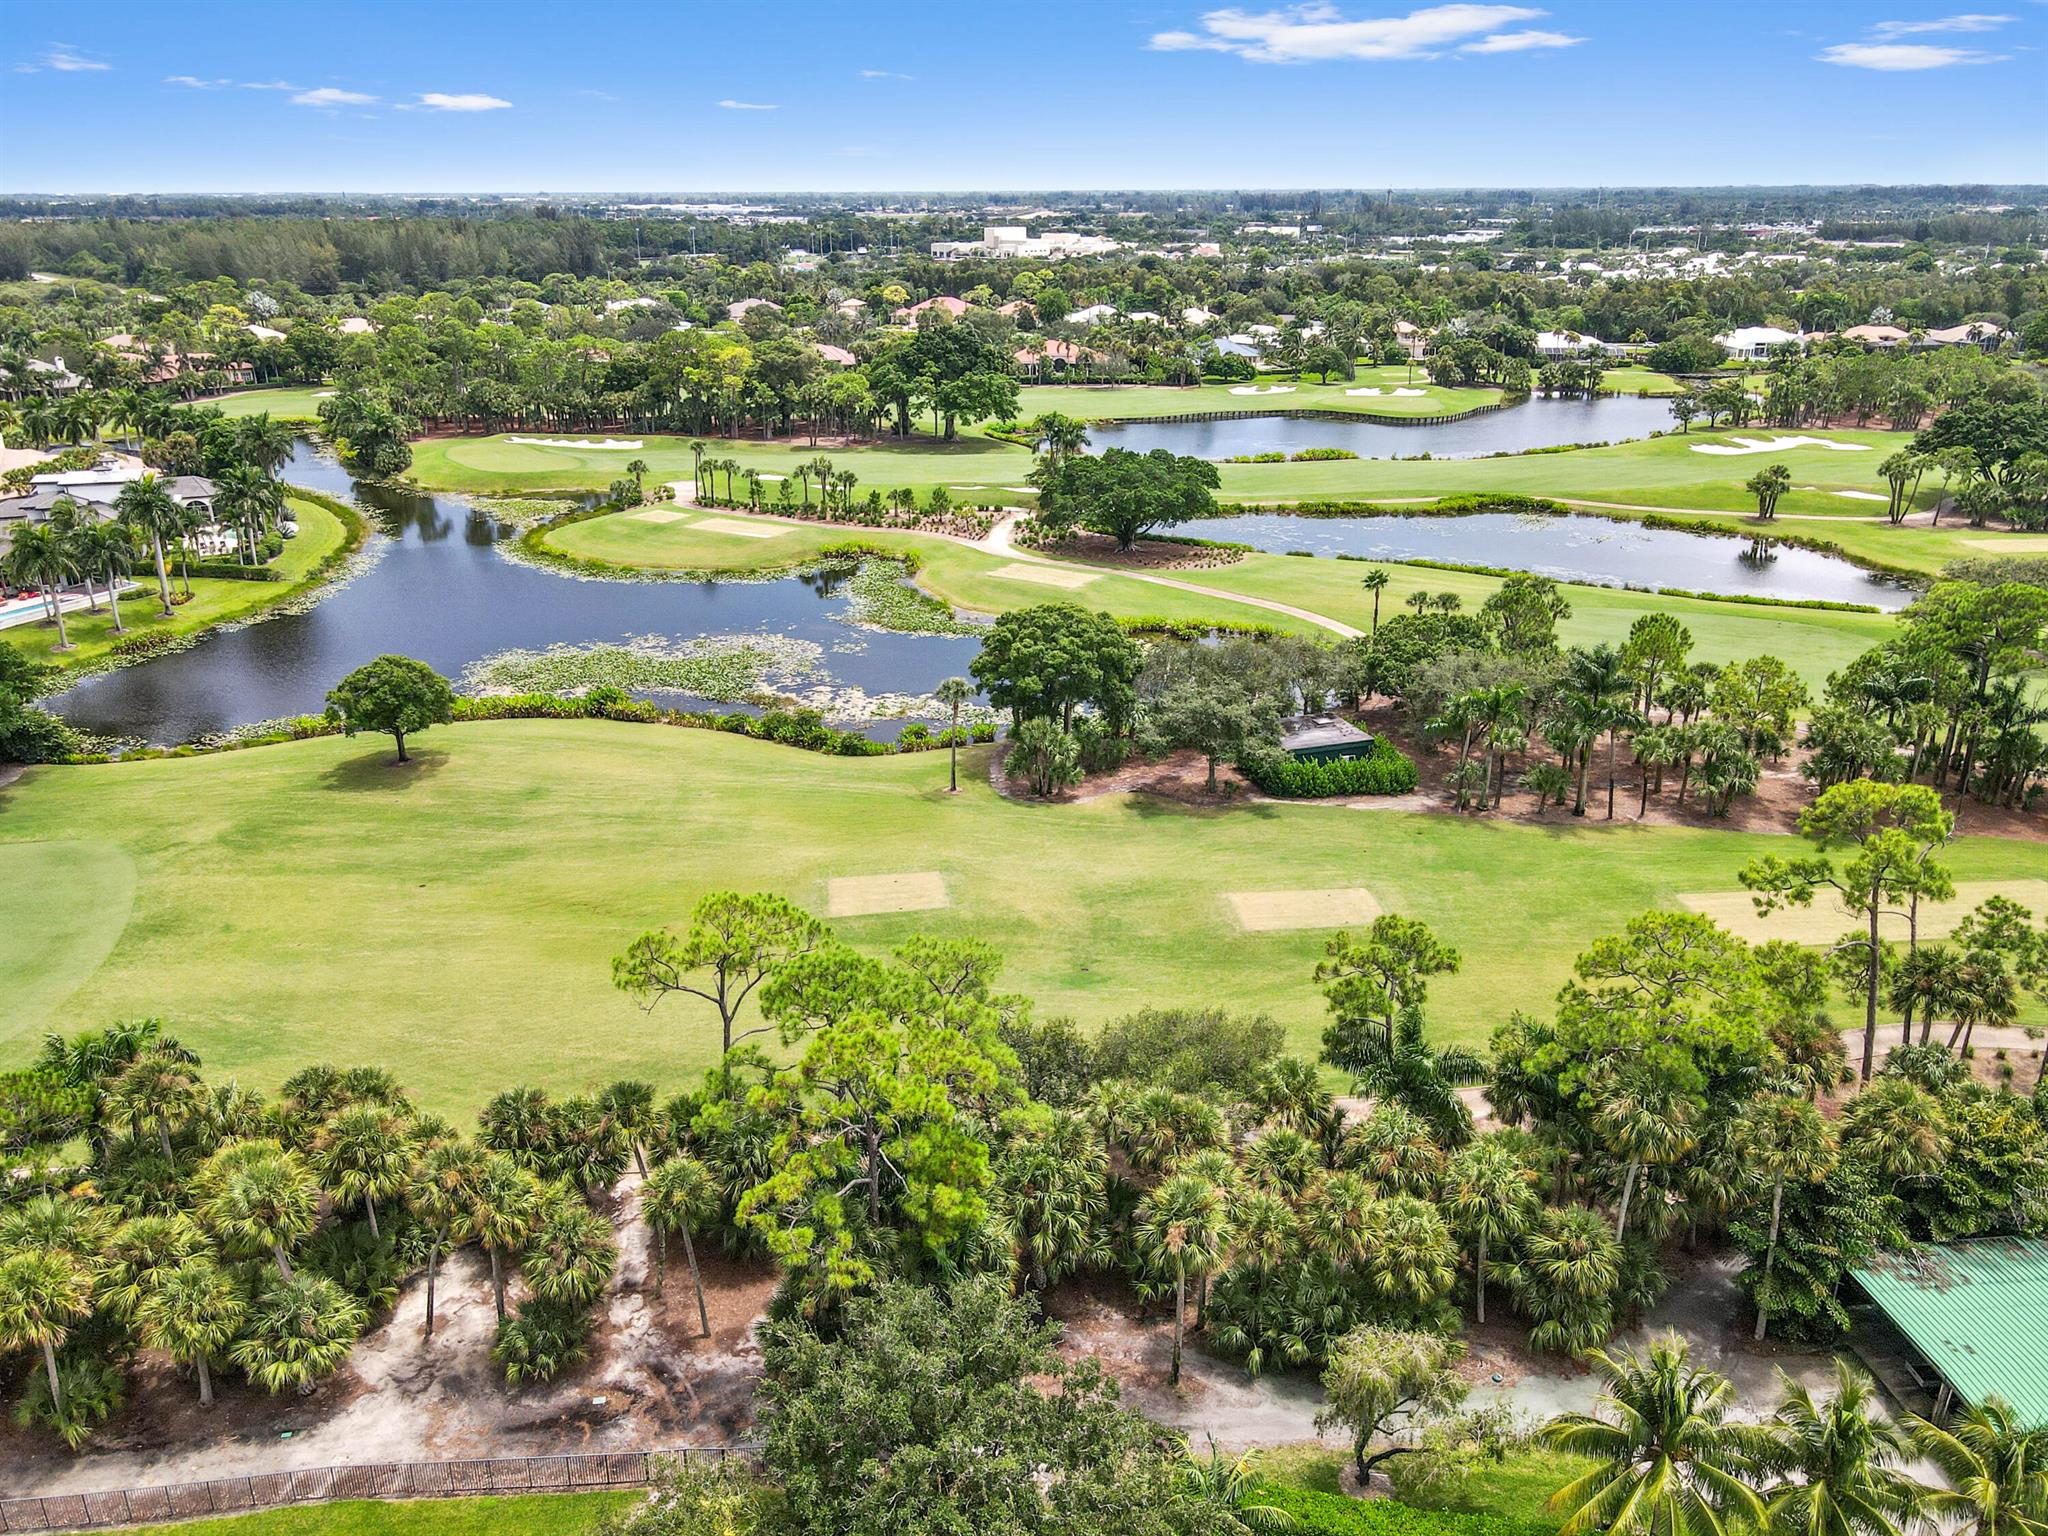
<point>1384,770</point>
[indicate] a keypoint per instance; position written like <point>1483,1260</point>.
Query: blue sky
<point>783,95</point>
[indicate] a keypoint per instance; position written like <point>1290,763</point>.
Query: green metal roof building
<point>1978,1312</point>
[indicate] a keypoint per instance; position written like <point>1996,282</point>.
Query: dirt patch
<point>863,895</point>
<point>1274,911</point>
<point>660,515</point>
<point>1144,555</point>
<point>1042,575</point>
<point>738,529</point>
<point>650,1382</point>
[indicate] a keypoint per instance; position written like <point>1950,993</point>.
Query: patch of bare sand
<point>1042,575</point>
<point>1276,911</point>
<point>865,895</point>
<point>1825,921</point>
<point>660,515</point>
<point>738,529</point>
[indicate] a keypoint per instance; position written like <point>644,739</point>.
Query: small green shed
<point>1321,737</point>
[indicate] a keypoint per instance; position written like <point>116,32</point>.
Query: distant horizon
<point>1152,95</point>
<point>715,194</point>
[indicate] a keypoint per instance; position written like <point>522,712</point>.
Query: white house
<point>1755,343</point>
<point>1565,344</point>
<point>1092,314</point>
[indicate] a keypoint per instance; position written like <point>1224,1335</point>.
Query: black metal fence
<point>366,1480</point>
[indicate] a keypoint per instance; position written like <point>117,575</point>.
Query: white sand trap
<point>1824,921</point>
<point>1262,389</point>
<point>609,444</point>
<point>1357,392</point>
<point>862,895</point>
<point>1021,490</point>
<point>325,394</point>
<point>738,529</point>
<point>1273,911</point>
<point>1864,496</point>
<point>2023,543</point>
<point>966,487</point>
<point>774,477</point>
<point>1742,445</point>
<point>1411,393</point>
<point>661,515</point>
<point>1043,575</point>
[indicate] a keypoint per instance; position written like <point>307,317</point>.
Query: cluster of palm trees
<point>225,1231</point>
<point>1669,1459</point>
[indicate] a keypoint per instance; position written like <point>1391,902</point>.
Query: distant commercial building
<point>1016,242</point>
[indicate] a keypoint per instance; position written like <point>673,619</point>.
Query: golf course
<point>470,904</point>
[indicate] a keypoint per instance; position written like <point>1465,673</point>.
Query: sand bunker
<point>1273,911</point>
<point>1262,389</point>
<point>1043,575</point>
<point>1864,496</point>
<point>1411,393</point>
<point>773,477</point>
<point>610,444</point>
<point>1357,392</point>
<point>863,895</point>
<point>738,529</point>
<point>1824,921</point>
<point>661,515</point>
<point>1742,445</point>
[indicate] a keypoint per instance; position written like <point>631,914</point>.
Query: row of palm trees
<point>1670,1463</point>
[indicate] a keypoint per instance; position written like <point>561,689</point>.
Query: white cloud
<point>1318,32</point>
<point>884,74</point>
<point>441,101</point>
<point>195,83</point>
<point>1520,42</point>
<point>329,96</point>
<point>749,106</point>
<point>1899,57</point>
<point>1969,22</point>
<point>66,59</point>
<point>270,85</point>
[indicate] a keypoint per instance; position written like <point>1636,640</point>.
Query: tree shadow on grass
<point>381,771</point>
<point>1151,807</point>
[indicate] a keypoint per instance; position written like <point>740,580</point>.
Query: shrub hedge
<point>1382,771</point>
<point>1334,1514</point>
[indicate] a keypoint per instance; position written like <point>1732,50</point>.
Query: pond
<point>435,588</point>
<point>1540,422</point>
<point>1570,548</point>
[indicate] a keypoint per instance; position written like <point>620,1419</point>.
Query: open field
<point>470,905</point>
<point>293,402</point>
<point>1814,641</point>
<point>214,601</point>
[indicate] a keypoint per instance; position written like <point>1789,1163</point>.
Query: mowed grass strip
<point>1825,921</point>
<point>456,920</point>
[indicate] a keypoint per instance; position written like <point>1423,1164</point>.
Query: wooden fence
<point>365,1480</point>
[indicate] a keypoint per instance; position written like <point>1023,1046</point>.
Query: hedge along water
<point>437,588</point>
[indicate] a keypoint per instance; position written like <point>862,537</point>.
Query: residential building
<point>1014,241</point>
<point>1755,343</point>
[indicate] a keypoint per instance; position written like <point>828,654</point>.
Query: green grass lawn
<point>531,1514</point>
<point>1111,402</point>
<point>468,908</point>
<point>1632,380</point>
<point>292,402</point>
<point>214,601</point>
<point>1515,1488</point>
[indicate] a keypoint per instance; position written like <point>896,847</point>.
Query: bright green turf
<point>531,1514</point>
<point>1516,1488</point>
<point>1108,402</point>
<point>1815,641</point>
<point>468,907</point>
<point>86,890</point>
<point>1640,381</point>
<point>214,601</point>
<point>297,402</point>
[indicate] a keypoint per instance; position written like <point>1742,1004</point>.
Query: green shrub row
<point>1334,1514</point>
<point>1447,506</point>
<point>1384,770</point>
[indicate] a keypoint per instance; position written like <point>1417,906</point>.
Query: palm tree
<point>1644,1124</point>
<point>1182,1229</point>
<point>1408,1071</point>
<point>1669,1463</point>
<point>1838,1463</point>
<point>1767,485</point>
<point>43,1291</point>
<point>364,1153</point>
<point>1059,436</point>
<point>107,550</point>
<point>37,557</point>
<point>193,1315</point>
<point>697,449</point>
<point>1775,1138</point>
<point>504,1204</point>
<point>1490,1195</point>
<point>442,1191</point>
<point>158,1087</point>
<point>1231,1488</point>
<point>1996,1471</point>
<point>571,1254</point>
<point>954,693</point>
<point>1375,581</point>
<point>147,507</point>
<point>297,1331</point>
<point>258,1198</point>
<point>677,1198</point>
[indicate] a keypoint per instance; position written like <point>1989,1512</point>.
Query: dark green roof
<point>1975,1310</point>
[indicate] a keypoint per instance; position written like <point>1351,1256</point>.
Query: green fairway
<point>532,1514</point>
<point>469,906</point>
<point>1113,402</point>
<point>1639,381</point>
<point>1813,641</point>
<point>292,402</point>
<point>213,601</point>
